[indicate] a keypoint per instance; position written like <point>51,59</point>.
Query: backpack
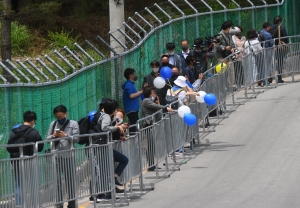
<point>86,126</point>
<point>20,138</point>
<point>96,128</point>
<point>261,38</point>
<point>172,98</point>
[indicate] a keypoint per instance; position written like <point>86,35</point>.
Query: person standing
<point>23,134</point>
<point>269,52</point>
<point>148,79</point>
<point>239,42</point>
<point>253,51</point>
<point>60,128</point>
<point>189,71</point>
<point>278,31</point>
<point>174,59</point>
<point>184,53</point>
<point>131,97</point>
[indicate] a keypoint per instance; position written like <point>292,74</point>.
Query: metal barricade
<point>18,185</point>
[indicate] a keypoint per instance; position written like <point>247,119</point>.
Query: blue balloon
<point>190,119</point>
<point>166,72</point>
<point>91,115</point>
<point>210,99</point>
<point>16,126</point>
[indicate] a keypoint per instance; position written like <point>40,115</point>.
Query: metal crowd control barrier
<point>56,177</point>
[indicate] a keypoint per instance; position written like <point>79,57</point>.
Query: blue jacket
<point>130,104</point>
<point>189,72</point>
<point>267,36</point>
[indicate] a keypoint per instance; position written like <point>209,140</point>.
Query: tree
<point>6,35</point>
<point>6,31</point>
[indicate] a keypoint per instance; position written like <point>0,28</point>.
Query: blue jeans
<point>122,160</point>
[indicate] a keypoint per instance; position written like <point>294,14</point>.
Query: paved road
<point>254,160</point>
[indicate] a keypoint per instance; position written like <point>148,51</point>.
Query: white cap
<point>180,81</point>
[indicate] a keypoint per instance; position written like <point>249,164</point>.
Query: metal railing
<point>88,171</point>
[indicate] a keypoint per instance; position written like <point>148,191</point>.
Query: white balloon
<point>159,82</point>
<point>183,110</point>
<point>200,98</point>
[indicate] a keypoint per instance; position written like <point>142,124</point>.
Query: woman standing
<point>239,42</point>
<point>253,60</point>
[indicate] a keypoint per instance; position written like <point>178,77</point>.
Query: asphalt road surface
<point>254,160</point>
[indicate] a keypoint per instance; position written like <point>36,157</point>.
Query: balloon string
<point>169,83</point>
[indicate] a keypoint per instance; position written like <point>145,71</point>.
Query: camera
<point>233,57</point>
<point>227,53</point>
<point>200,49</point>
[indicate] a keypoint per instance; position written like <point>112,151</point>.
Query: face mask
<point>152,98</point>
<point>175,74</point>
<point>33,126</point>
<point>135,78</point>
<point>118,120</point>
<point>165,64</point>
<point>184,48</point>
<point>155,70</point>
<point>62,121</point>
<point>171,53</point>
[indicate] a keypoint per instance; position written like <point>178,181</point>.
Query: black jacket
<point>149,79</point>
<point>33,136</point>
<point>283,33</point>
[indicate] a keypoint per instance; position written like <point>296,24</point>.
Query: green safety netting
<point>83,92</point>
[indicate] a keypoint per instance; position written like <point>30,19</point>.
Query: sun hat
<point>180,81</point>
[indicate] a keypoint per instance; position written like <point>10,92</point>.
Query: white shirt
<point>254,46</point>
<point>185,54</point>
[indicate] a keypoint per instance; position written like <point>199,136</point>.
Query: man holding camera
<point>201,53</point>
<point>225,48</point>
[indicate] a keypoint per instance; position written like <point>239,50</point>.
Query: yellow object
<point>221,67</point>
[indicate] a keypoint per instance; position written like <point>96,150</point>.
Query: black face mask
<point>175,75</point>
<point>184,48</point>
<point>164,64</point>
<point>135,78</point>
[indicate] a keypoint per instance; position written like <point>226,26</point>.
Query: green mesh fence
<point>83,92</point>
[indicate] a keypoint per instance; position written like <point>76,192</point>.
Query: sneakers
<point>119,191</point>
<point>106,197</point>
<point>92,199</point>
<point>280,81</point>
<point>178,154</point>
<point>117,183</point>
<point>153,168</point>
<point>187,145</point>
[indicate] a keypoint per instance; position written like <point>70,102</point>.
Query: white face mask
<point>171,53</point>
<point>152,98</point>
<point>118,120</point>
<point>155,70</point>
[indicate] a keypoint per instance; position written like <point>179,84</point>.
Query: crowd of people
<point>188,67</point>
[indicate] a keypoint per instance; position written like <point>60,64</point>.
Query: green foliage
<point>41,13</point>
<point>61,39</point>
<point>20,38</point>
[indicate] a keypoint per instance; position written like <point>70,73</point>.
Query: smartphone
<point>57,130</point>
